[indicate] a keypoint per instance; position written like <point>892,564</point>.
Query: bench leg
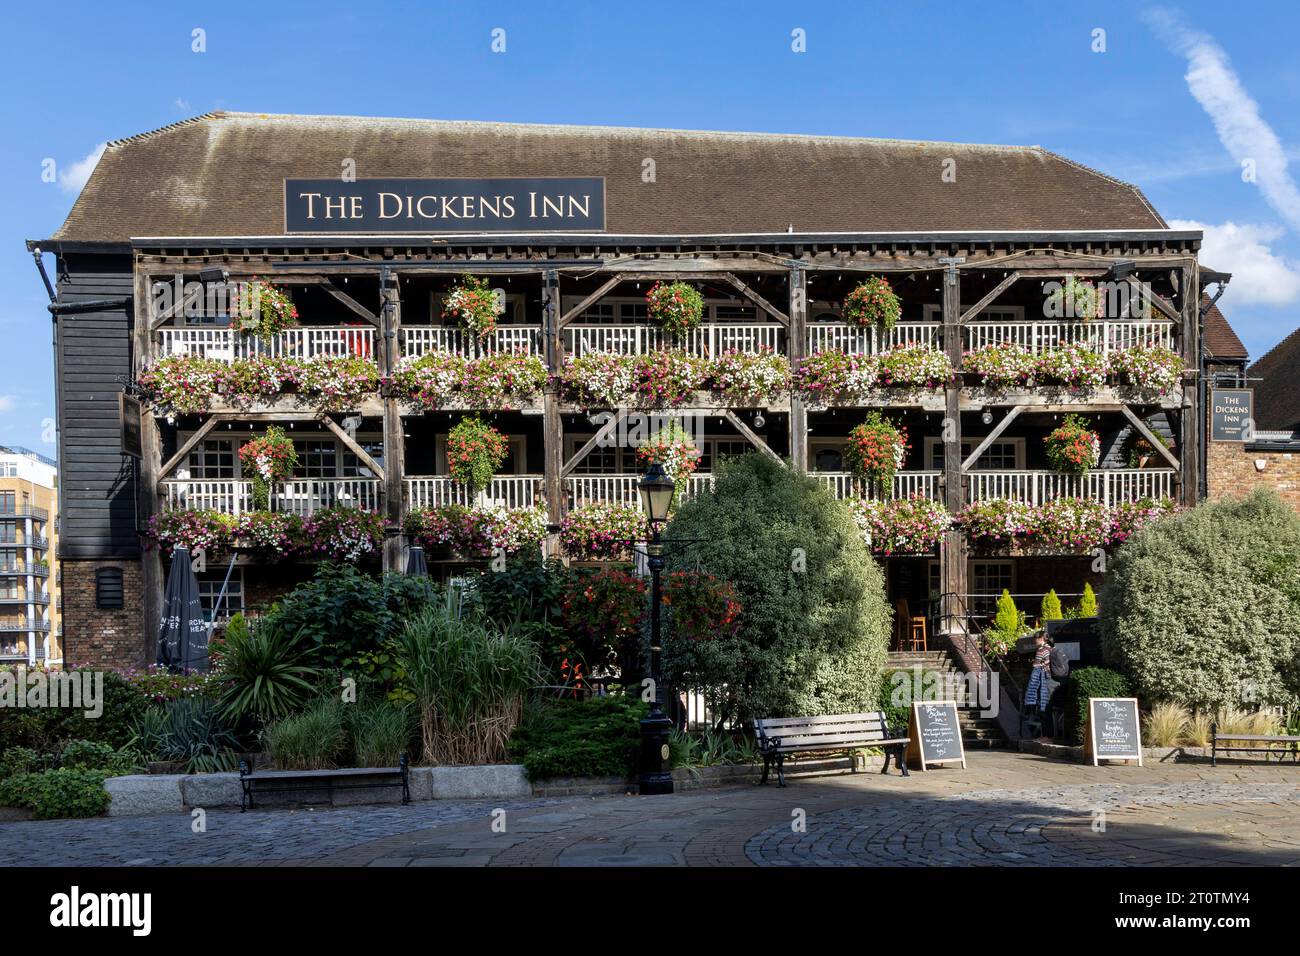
<point>780,770</point>
<point>900,757</point>
<point>767,765</point>
<point>1214,753</point>
<point>889,752</point>
<point>246,797</point>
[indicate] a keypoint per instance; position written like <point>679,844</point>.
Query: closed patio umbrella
<point>415,563</point>
<point>183,634</point>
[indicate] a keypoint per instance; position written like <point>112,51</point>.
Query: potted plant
<point>875,451</point>
<point>473,303</point>
<point>873,303</point>
<point>267,460</point>
<point>475,450</point>
<point>263,310</point>
<point>674,448</point>
<point>678,307</point>
<point>1073,448</point>
<point>1140,453</point>
<point>1075,299</point>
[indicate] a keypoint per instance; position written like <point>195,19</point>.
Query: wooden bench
<point>835,733</point>
<point>283,781</point>
<point>1292,745</point>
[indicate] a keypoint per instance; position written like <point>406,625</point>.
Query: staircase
<point>977,733</point>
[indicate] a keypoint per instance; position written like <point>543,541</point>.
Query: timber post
<point>795,343</point>
<point>952,554</point>
<point>146,490</point>
<point>390,328</point>
<point>552,426</point>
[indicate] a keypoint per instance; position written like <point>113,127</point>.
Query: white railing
<point>859,340</point>
<point>620,489</point>
<point>1107,485</point>
<point>305,342</point>
<point>710,340</point>
<point>1102,335</point>
<point>907,484</point>
<point>510,491</point>
<point>419,339</point>
<point>301,497</point>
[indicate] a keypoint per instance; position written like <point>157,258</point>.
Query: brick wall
<point>98,637</point>
<point>1232,470</point>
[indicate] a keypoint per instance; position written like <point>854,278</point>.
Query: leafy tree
<point>1088,602</point>
<point>1201,608</point>
<point>1051,607</point>
<point>814,622</point>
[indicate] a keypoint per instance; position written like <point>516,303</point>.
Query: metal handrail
<point>973,643</point>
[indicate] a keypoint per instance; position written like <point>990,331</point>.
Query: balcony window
<point>316,459</point>
<point>719,449</point>
<point>8,503</point>
<point>1006,454</point>
<point>601,460</point>
<point>988,580</point>
<point>214,459</point>
<point>8,532</point>
<point>352,465</point>
<point>232,602</point>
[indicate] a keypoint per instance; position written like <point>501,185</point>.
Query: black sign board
<point>935,732</point>
<point>378,206</point>
<point>1231,415</point>
<point>1114,732</point>
<point>129,414</point>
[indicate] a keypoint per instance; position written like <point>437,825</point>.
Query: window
<point>601,460</point>
<point>232,603</point>
<point>8,469</point>
<point>8,532</point>
<point>718,449</point>
<point>316,459</point>
<point>988,580</point>
<point>1005,454</point>
<point>213,459</point>
<point>352,465</point>
<point>8,503</point>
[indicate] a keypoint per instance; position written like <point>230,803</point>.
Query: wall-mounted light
<point>759,420</point>
<point>987,417</point>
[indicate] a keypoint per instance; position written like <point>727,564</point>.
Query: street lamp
<point>654,773</point>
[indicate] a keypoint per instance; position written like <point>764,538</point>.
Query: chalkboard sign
<point>935,731</point>
<point>1114,732</point>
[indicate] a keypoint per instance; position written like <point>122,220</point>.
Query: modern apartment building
<point>30,619</point>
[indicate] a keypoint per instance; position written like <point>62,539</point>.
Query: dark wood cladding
<point>97,489</point>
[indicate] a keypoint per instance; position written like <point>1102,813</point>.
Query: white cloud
<point>1240,128</point>
<point>183,104</point>
<point>73,179</point>
<point>1259,276</point>
<point>7,403</point>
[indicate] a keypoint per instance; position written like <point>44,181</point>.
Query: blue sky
<point>1181,95</point>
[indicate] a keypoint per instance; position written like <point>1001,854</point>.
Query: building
<point>346,216</point>
<point>30,618</point>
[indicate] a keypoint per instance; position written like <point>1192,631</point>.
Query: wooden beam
<point>757,299</point>
<point>158,320</point>
<point>750,436</point>
<point>795,343</point>
<point>186,448</point>
<point>353,447</point>
<point>983,303</point>
<point>1146,433</point>
<point>390,329</point>
<point>351,303</point>
<point>592,442</point>
<point>1144,290</point>
<point>991,437</point>
<point>146,485</point>
<point>552,422</point>
<point>588,302</point>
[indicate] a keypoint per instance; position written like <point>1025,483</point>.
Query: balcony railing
<point>26,511</point>
<point>857,340</point>
<point>907,484</point>
<point>417,340</point>
<point>1102,335</point>
<point>709,340</point>
<point>12,625</point>
<point>620,489</point>
<point>1107,485</point>
<point>228,344</point>
<point>301,497</point>
<point>510,491</point>
<point>20,598</point>
<point>21,570</point>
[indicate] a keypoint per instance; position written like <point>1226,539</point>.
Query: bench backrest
<point>830,731</point>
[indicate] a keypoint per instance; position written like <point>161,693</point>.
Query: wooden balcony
<point>304,342</point>
<point>621,489</point>
<point>1103,335</point>
<point>859,340</point>
<point>509,491</point>
<point>708,340</point>
<point>300,497</point>
<point>420,339</point>
<point>1107,485</point>
<point>907,484</point>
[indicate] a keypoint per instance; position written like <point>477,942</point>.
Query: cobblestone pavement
<point>1005,809</point>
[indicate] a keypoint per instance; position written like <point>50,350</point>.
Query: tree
<point>1201,608</point>
<point>1088,602</point>
<point>1051,607</point>
<point>814,622</point>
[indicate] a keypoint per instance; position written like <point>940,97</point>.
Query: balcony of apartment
<point>15,598</point>
<point>18,625</point>
<point>229,344</point>
<point>25,511</point>
<point>302,496</point>
<point>8,571</point>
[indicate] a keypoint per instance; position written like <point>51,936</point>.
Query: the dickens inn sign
<point>376,206</point>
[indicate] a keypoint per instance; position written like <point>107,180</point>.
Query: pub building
<point>367,225</point>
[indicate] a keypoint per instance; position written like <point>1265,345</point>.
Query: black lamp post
<point>654,771</point>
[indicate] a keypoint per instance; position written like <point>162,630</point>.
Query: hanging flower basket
<point>677,306</point>
<point>268,460</point>
<point>1073,448</point>
<point>700,606</point>
<point>473,305</point>
<point>475,450</point>
<point>674,448</point>
<point>873,303</point>
<point>875,451</point>
<point>1075,299</point>
<point>263,310</point>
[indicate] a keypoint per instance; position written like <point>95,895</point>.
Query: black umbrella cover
<point>415,563</point>
<point>183,634</point>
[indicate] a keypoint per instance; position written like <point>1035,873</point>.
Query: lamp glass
<point>656,490</point>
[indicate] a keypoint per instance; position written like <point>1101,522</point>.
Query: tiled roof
<point>222,174</point>
<point>1277,394</point>
<point>1221,341</point>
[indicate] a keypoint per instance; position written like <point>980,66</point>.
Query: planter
<point>172,767</point>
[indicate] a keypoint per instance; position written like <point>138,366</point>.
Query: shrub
<point>815,621</point>
<point>1165,725</point>
<point>1087,602</point>
<point>468,678</point>
<point>194,733</point>
<point>20,760</point>
<point>1197,731</point>
<point>1090,682</point>
<point>50,794</point>
<point>380,733</point>
<point>311,740</point>
<point>267,671</point>
<point>1051,607</point>
<point>94,755</point>
<point>710,748</point>
<point>599,737</point>
<point>44,729</point>
<point>1199,608</point>
<point>1008,626</point>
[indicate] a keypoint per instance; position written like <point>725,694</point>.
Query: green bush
<point>94,755</point>
<point>20,760</point>
<point>587,738</point>
<point>267,672</point>
<point>1050,610</point>
<point>311,740</point>
<point>1201,608</point>
<point>814,621</point>
<point>1090,682</point>
<point>711,748</point>
<point>380,733</point>
<point>190,730</point>
<point>50,794</point>
<point>45,729</point>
